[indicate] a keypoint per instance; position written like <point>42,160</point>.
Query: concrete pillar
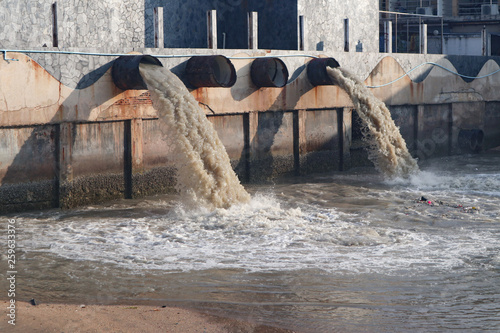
<point>253,144</point>
<point>419,128</point>
<point>345,136</point>
<point>66,133</point>
<point>137,144</point>
<point>388,37</point>
<point>64,174</point>
<point>299,140</point>
<point>423,38</point>
<point>133,154</point>
<point>212,29</point>
<point>159,27</point>
<point>253,31</point>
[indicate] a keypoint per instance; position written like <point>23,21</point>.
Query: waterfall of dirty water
<point>204,172</point>
<point>386,147</point>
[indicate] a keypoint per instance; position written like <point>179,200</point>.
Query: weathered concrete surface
<point>324,27</point>
<point>30,95</point>
<point>28,167</point>
<point>62,146</point>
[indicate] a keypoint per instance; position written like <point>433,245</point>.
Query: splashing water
<point>204,173</point>
<point>387,148</point>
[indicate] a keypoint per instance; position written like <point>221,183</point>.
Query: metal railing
<point>406,31</point>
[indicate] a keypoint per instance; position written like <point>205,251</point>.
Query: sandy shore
<point>119,318</point>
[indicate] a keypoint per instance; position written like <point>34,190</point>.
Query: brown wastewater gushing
<point>204,173</point>
<point>386,147</point>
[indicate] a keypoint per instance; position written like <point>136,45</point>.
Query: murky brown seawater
<point>347,252</point>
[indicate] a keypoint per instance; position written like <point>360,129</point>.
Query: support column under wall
<point>253,123</point>
<point>418,129</point>
<point>345,137</point>
<point>133,155</point>
<point>64,175</point>
<point>299,140</point>
<point>137,142</point>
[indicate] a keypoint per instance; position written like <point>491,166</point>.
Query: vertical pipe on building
<point>159,27</point>
<point>301,33</point>
<point>55,37</point>
<point>388,37</point>
<point>346,35</point>
<point>253,29</point>
<point>212,29</point>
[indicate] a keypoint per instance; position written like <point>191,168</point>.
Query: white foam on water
<point>257,236</point>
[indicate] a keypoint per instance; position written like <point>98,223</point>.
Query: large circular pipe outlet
<point>125,71</point>
<point>316,71</point>
<point>210,71</point>
<point>269,72</point>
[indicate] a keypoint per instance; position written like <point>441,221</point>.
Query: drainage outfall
<point>125,71</point>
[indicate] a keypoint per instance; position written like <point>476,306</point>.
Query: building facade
<point>128,24</point>
<point>458,27</point>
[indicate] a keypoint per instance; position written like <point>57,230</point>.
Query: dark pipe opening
<point>471,140</point>
<point>316,71</point>
<point>125,71</point>
<point>210,71</point>
<point>269,72</point>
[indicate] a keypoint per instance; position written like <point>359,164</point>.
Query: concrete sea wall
<point>69,136</point>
